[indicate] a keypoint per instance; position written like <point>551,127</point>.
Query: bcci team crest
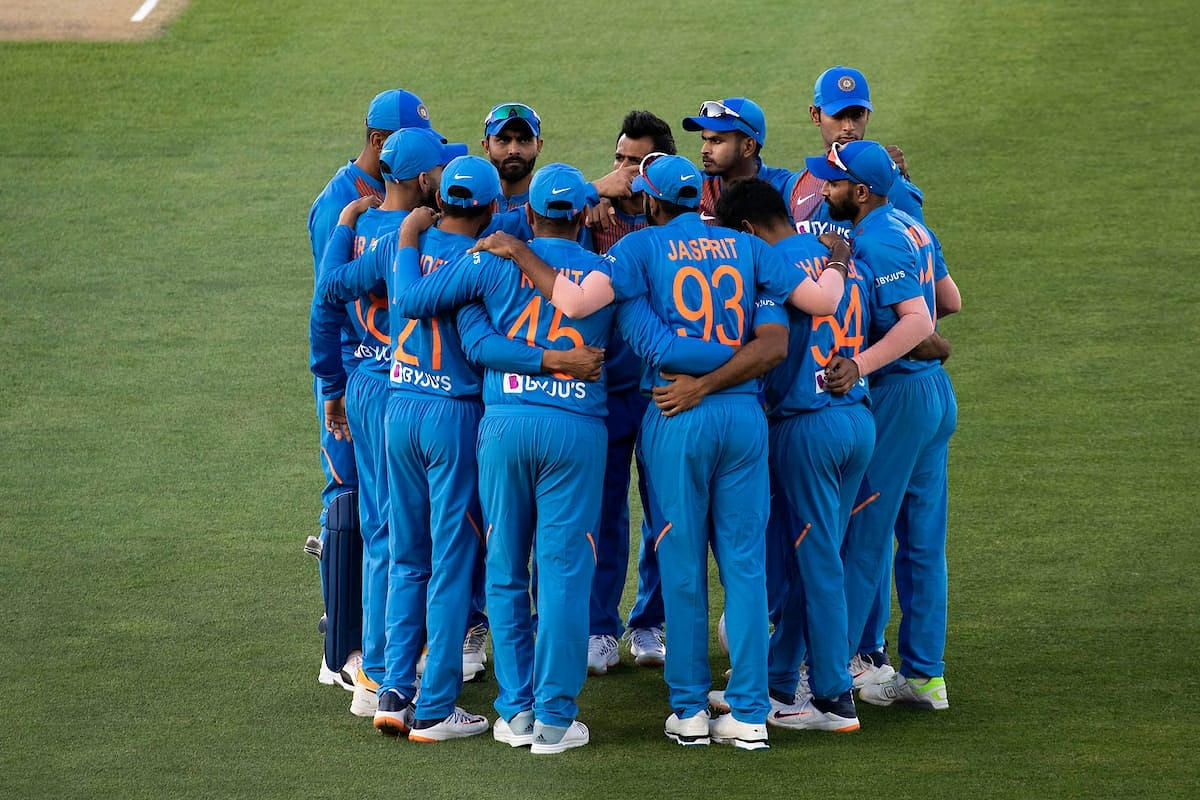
<point>423,112</point>
<point>845,83</point>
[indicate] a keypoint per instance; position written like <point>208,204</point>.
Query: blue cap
<point>730,114</point>
<point>863,162</point>
<point>410,151</point>
<point>469,181</point>
<point>504,113</point>
<point>670,178</point>
<point>559,191</point>
<point>840,87</point>
<point>396,109</point>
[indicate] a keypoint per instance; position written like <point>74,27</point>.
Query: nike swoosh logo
<point>805,199</point>
<point>788,714</point>
<point>706,216</point>
<point>461,177</point>
<point>560,191</point>
<point>686,177</point>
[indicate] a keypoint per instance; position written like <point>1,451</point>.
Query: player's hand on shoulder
<point>499,243</point>
<point>898,156</point>
<point>354,209</point>
<point>839,248</point>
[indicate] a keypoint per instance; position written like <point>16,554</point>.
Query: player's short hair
<point>464,212</point>
<point>640,124</point>
<point>384,133</point>
<point>752,199</point>
<point>557,225</point>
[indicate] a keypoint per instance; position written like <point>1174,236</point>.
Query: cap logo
<point>846,83</point>
<point>422,112</point>
<point>560,191</point>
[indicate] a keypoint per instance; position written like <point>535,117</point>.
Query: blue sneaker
<point>394,715</point>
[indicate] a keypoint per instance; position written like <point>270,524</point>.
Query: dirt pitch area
<point>84,20</point>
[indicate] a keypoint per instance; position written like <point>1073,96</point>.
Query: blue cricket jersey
<point>902,257</point>
<point>701,280</point>
<point>520,312</point>
<point>797,384</point>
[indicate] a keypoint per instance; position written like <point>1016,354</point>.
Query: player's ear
<point>529,214</point>
<point>748,227</point>
<point>539,141</point>
<point>815,113</point>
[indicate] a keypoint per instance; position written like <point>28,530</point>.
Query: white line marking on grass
<point>144,11</point>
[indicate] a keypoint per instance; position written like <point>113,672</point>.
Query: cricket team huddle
<point>494,345</point>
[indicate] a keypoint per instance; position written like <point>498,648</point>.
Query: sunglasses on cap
<point>647,161</point>
<point>835,159</point>
<point>715,109</point>
<point>507,111</point>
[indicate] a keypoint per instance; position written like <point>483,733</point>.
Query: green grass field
<point>160,471</point>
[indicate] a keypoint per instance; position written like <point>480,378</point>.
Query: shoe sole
<point>421,736</point>
<point>687,741</point>
<point>390,726</point>
<point>841,726</point>
<point>597,670</point>
<point>558,747</point>
<point>645,660</point>
<point>744,744</point>
<point>513,740</point>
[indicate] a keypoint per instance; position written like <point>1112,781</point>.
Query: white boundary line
<point>144,11</point>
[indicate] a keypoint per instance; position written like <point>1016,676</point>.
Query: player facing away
<point>915,413</point>
<point>641,133</point>
<point>733,132</point>
<point>339,549</point>
<point>706,454</point>
<point>819,446</point>
<point>541,462</point>
<point>411,161</point>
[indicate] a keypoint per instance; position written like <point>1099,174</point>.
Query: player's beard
<point>514,168</point>
<point>843,211</point>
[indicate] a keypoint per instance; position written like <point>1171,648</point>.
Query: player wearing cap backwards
<point>410,162</point>
<point>841,109</point>
<point>641,133</point>
<point>734,131</point>
<point>707,466</point>
<point>915,414</point>
<point>820,444</point>
<point>540,462</point>
<point>340,546</point>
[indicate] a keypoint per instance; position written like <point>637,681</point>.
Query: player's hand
<point>335,419</point>
<point>839,248</point>
<point>840,375</point>
<point>932,346</point>
<point>501,244</point>
<point>354,209</point>
<point>418,221</point>
<point>583,362</point>
<point>898,156</point>
<point>618,183</point>
<point>684,392</point>
<point>600,216</point>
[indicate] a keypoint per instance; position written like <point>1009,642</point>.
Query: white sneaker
<point>549,739</point>
<point>474,651</point>
<point>868,668</point>
<point>393,713</point>
<point>602,654</point>
<point>517,732</point>
<point>647,647</point>
<point>366,701</point>
<point>716,699</point>
<point>924,693</point>
<point>458,725</point>
<point>688,732</point>
<point>809,714</point>
<point>727,730</point>
<point>328,676</point>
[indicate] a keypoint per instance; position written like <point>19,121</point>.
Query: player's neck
<point>368,162</point>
